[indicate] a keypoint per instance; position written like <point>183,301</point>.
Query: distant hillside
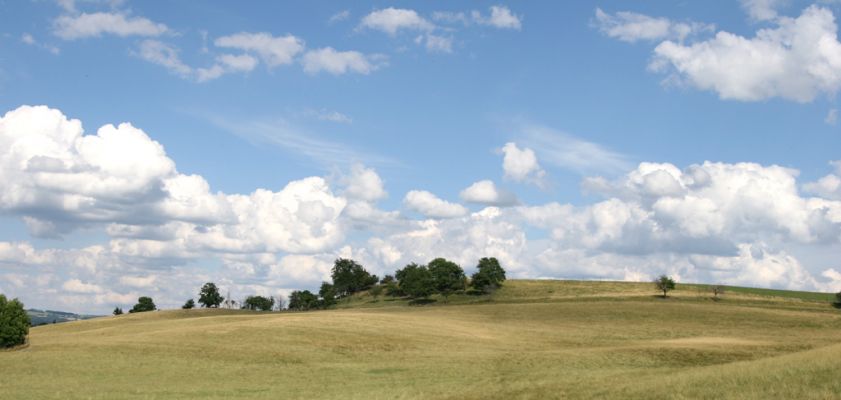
<point>43,317</point>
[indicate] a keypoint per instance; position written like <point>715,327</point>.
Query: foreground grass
<point>532,339</point>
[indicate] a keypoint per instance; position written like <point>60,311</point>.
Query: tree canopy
<point>209,296</point>
<point>14,322</point>
<point>664,283</point>
<point>190,304</point>
<point>447,276</point>
<point>143,304</point>
<point>327,292</point>
<point>416,281</point>
<point>350,277</point>
<point>117,311</point>
<point>259,303</point>
<point>489,275</point>
<point>302,300</point>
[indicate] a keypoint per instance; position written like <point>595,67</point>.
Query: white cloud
<point>339,16</point>
<point>798,59</point>
<point>274,51</point>
<point>160,53</point>
<point>762,10</point>
<point>392,20</point>
<point>364,184</point>
<point>451,17</point>
<point>570,152</point>
<point>431,206</point>
<point>339,62</point>
<point>829,186</point>
<point>520,165</point>
<point>77,286</point>
<point>831,117</point>
<point>631,27</point>
<point>485,192</point>
<point>438,44</point>
<point>501,17</point>
<point>96,24</point>
<point>27,38</point>
<point>30,40</point>
<point>141,282</point>
<point>333,116</point>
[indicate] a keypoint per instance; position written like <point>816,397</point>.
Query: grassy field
<point>530,340</point>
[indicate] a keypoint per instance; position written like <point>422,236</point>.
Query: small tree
<point>447,276</point>
<point>258,303</point>
<point>302,300</point>
<point>209,296</point>
<point>717,291</point>
<point>143,304</point>
<point>189,305</point>
<point>350,277</point>
<point>416,281</point>
<point>664,284</point>
<point>118,311</point>
<point>14,322</point>
<point>837,302</point>
<point>387,279</point>
<point>327,292</point>
<point>489,275</point>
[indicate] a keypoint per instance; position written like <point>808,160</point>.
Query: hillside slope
<point>532,339</point>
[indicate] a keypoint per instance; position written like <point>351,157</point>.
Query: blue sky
<point>605,140</point>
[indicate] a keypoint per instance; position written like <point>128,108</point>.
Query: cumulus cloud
<point>798,59</point>
<point>392,20</point>
<point>71,27</point>
<point>520,165</point>
<point>364,184</point>
<point>631,27</point>
<point>485,192</point>
<point>273,50</point>
<point>762,10</point>
<point>500,17</point>
<point>431,206</point>
<point>340,62</point>
<point>828,186</point>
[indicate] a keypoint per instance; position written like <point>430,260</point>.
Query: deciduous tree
<point>489,275</point>
<point>143,304</point>
<point>664,283</point>
<point>447,276</point>
<point>209,296</point>
<point>14,322</point>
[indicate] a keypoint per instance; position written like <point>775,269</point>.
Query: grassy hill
<point>531,339</point>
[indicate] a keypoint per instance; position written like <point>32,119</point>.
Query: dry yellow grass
<point>532,340</point>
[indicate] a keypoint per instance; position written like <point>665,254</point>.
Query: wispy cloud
<point>570,152</point>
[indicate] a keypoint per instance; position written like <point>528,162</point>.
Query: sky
<point>147,148</point>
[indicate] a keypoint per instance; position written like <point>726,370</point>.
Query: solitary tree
<point>664,284</point>
<point>350,277</point>
<point>489,275</point>
<point>190,304</point>
<point>258,303</point>
<point>143,304</point>
<point>416,281</point>
<point>447,276</point>
<point>14,322</point>
<point>118,311</point>
<point>327,292</point>
<point>209,296</point>
<point>302,300</point>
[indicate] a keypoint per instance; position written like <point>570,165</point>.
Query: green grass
<point>530,340</point>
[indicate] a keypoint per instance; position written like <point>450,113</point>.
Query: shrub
<point>14,322</point>
<point>118,311</point>
<point>143,304</point>
<point>190,304</point>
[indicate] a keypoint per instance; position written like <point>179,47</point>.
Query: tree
<point>664,284</point>
<point>258,303</point>
<point>376,291</point>
<point>302,300</point>
<point>143,304</point>
<point>118,311</point>
<point>489,275</point>
<point>447,276</point>
<point>387,279</point>
<point>837,302</point>
<point>190,304</point>
<point>281,302</point>
<point>209,296</point>
<point>416,281</point>
<point>717,290</point>
<point>327,292</point>
<point>350,277</point>
<point>14,322</point>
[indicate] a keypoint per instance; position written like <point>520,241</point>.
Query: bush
<point>143,304</point>
<point>189,305</point>
<point>209,296</point>
<point>489,275</point>
<point>258,303</point>
<point>117,311</point>
<point>14,322</point>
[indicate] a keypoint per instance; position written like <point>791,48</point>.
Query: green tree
<point>14,322</point>
<point>350,277</point>
<point>259,303</point>
<point>387,279</point>
<point>118,311</point>
<point>489,275</point>
<point>416,281</point>
<point>376,291</point>
<point>143,304</point>
<point>302,300</point>
<point>327,292</point>
<point>209,296</point>
<point>447,276</point>
<point>664,284</point>
<point>190,304</point>
<point>837,302</point>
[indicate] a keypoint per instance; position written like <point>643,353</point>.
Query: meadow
<point>528,340</point>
